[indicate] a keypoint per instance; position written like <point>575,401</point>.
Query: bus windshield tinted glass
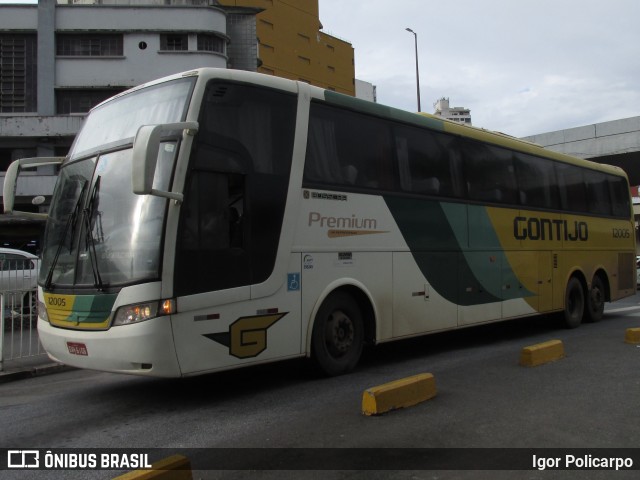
<point>100,234</point>
<point>120,119</point>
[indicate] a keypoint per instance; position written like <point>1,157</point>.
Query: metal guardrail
<point>18,326</point>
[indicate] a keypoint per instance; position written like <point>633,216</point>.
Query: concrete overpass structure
<point>615,143</point>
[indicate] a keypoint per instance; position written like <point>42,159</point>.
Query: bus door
<point>524,281</point>
<point>480,274</point>
<point>545,281</point>
<point>418,306</point>
<point>229,231</point>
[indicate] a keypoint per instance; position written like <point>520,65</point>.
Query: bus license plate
<point>77,348</point>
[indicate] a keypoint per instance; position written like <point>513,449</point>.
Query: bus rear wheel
<point>574,303</point>
<point>595,301</point>
<point>338,335</point>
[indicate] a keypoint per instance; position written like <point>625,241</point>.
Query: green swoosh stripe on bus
<point>437,234</point>
<point>84,311</point>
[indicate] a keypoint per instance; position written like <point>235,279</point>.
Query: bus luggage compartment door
<point>419,306</point>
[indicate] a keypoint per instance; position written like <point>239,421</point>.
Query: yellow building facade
<point>292,46</point>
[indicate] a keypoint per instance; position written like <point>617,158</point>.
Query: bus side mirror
<point>11,179</point>
<point>145,157</point>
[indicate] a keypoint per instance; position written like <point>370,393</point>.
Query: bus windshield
<point>118,120</point>
<point>100,234</point>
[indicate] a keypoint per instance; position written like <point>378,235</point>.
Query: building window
<point>80,101</point>
<point>266,24</point>
<point>174,42</point>
<point>84,45</point>
<point>18,66</point>
<point>210,43</point>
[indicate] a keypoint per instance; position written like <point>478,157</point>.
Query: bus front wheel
<point>574,303</point>
<point>338,334</point>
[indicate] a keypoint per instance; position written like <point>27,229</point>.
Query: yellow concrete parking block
<point>175,467</point>
<point>398,394</point>
<point>542,353</point>
<point>632,335</point>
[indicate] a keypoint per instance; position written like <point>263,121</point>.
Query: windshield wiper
<point>90,244</point>
<point>71,224</point>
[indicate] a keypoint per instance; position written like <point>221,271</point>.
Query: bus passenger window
<point>423,162</point>
<point>619,196</point>
<point>597,193</point>
<point>489,173</point>
<point>348,149</point>
<point>572,187</point>
<point>537,182</point>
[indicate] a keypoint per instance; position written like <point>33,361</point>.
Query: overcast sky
<point>522,66</point>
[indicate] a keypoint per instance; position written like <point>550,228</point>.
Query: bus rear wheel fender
<point>364,298</point>
<point>339,331</point>
<point>574,302</point>
<point>596,297</point>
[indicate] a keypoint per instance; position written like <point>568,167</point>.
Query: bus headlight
<point>129,314</point>
<point>135,313</point>
<point>42,311</point>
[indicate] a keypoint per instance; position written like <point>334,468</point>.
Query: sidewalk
<point>28,367</point>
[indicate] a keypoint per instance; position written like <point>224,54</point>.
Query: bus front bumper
<point>144,348</point>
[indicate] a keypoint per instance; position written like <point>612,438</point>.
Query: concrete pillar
<point>46,56</point>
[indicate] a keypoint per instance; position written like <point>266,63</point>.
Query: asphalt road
<point>485,399</point>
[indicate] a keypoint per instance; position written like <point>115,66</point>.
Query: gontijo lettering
<point>533,228</point>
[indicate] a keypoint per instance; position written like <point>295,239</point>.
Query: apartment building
<point>291,44</point>
<point>455,114</point>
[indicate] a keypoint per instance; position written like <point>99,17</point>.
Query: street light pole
<point>417,72</point>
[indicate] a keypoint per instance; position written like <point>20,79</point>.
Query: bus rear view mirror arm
<point>145,157</point>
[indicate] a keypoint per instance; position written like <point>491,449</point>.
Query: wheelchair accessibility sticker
<point>293,282</point>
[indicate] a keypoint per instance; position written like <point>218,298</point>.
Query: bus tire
<point>574,303</point>
<point>595,301</point>
<point>338,335</point>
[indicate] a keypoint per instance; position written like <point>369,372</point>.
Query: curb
<point>401,393</point>
<point>632,335</point>
<point>31,372</point>
<point>542,353</point>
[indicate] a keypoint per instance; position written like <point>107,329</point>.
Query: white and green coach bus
<point>217,218</point>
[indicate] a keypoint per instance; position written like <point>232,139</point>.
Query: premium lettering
<point>533,228</point>
<point>352,222</point>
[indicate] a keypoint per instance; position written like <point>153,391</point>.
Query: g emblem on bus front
<point>247,336</point>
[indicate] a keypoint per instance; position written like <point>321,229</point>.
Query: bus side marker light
<point>168,307</point>
<point>542,353</point>
<point>401,393</point>
<point>175,467</point>
<point>632,335</point>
